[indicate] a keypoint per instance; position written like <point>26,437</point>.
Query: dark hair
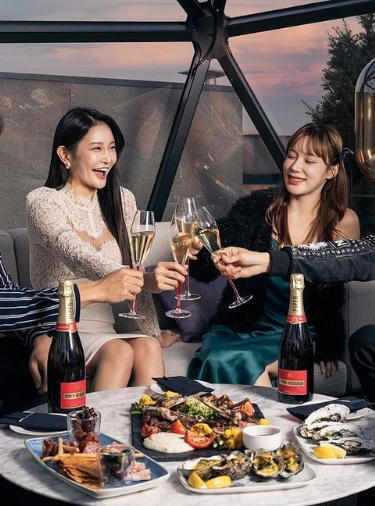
<point>71,129</point>
<point>325,142</point>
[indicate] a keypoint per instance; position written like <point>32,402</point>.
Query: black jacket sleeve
<point>327,262</point>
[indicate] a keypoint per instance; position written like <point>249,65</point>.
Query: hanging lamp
<point>364,120</point>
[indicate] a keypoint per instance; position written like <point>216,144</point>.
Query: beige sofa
<point>357,310</point>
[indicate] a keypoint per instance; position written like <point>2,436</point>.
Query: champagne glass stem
<point>187,280</point>
<point>234,287</point>
<point>178,303</point>
<point>133,308</point>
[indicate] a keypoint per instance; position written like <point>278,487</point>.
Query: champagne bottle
<point>66,370</point>
<point>296,351</point>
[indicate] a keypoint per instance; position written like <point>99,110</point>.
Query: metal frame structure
<point>209,30</point>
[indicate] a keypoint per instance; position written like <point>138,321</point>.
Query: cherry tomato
<point>247,408</point>
<point>178,428</point>
<point>199,441</point>
<point>147,430</point>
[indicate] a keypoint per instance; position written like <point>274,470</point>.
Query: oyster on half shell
<point>202,466</point>
<point>340,431</point>
<point>355,445</point>
<point>332,414</point>
<point>236,465</point>
<point>292,458</point>
<point>267,464</point>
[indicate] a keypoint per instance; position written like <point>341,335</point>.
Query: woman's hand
<point>165,276</point>
<point>38,362</point>
<point>240,262</point>
<point>167,338</point>
<point>195,248</point>
<point>328,367</point>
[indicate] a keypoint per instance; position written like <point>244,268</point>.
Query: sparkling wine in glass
<point>206,229</point>
<point>180,239</point>
<point>187,206</point>
<point>141,236</point>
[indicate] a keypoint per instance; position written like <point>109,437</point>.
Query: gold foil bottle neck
<point>297,281</point>
<point>297,284</point>
<point>66,288</point>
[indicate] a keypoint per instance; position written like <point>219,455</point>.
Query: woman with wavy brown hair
<point>241,345</point>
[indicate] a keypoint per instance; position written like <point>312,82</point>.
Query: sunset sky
<point>283,67</point>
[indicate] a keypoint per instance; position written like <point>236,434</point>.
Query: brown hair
<point>325,142</point>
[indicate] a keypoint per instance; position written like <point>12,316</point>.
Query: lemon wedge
<point>196,481</point>
<point>329,451</point>
<point>219,482</point>
<point>169,393</point>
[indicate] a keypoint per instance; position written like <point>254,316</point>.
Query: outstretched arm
<point>241,263</point>
<point>324,262</point>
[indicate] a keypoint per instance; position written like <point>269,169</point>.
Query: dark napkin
<point>354,403</point>
<point>36,421</point>
<point>182,385</point>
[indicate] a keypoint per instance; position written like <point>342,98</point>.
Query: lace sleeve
<point>50,229</point>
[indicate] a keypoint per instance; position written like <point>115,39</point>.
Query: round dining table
<point>332,482</point>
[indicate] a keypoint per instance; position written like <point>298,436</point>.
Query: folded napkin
<point>354,403</point>
<point>182,385</point>
<point>36,421</point>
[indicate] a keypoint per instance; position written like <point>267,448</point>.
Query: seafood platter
<point>328,437</point>
<point>247,471</point>
<point>170,426</point>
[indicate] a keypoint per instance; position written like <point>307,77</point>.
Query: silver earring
<point>67,166</point>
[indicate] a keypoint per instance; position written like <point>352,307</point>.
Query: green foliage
<point>348,53</point>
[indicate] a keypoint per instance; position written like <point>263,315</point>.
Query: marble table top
<point>332,481</point>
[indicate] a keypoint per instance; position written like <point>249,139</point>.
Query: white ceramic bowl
<point>266,437</point>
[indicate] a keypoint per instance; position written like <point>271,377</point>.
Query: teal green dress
<point>240,358</point>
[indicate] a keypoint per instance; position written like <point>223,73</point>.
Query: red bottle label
<point>294,319</point>
<point>73,394</point>
<point>66,327</point>
<point>292,382</point>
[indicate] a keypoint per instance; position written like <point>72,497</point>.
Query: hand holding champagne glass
<point>142,235</point>
<point>206,229</point>
<point>187,206</point>
<point>180,238</point>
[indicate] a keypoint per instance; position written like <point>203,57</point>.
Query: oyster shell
<point>327,415</point>
<point>355,445</point>
<point>236,465</point>
<point>340,431</point>
<point>267,464</point>
<point>202,466</point>
<point>292,458</point>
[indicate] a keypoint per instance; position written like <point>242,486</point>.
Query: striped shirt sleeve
<point>25,312</point>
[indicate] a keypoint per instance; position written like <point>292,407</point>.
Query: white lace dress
<point>67,241</point>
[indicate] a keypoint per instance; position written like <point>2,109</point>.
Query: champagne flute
<point>142,234</point>
<point>180,238</point>
<point>206,229</point>
<point>187,206</point>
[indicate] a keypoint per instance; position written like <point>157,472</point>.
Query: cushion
<point>202,310</point>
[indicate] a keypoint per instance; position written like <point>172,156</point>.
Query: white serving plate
<point>248,484</point>
<point>158,473</point>
<point>356,415</point>
<point>308,445</point>
<point>36,432</point>
<point>156,388</point>
<point>30,432</point>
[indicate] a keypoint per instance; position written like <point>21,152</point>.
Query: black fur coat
<point>245,226</point>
